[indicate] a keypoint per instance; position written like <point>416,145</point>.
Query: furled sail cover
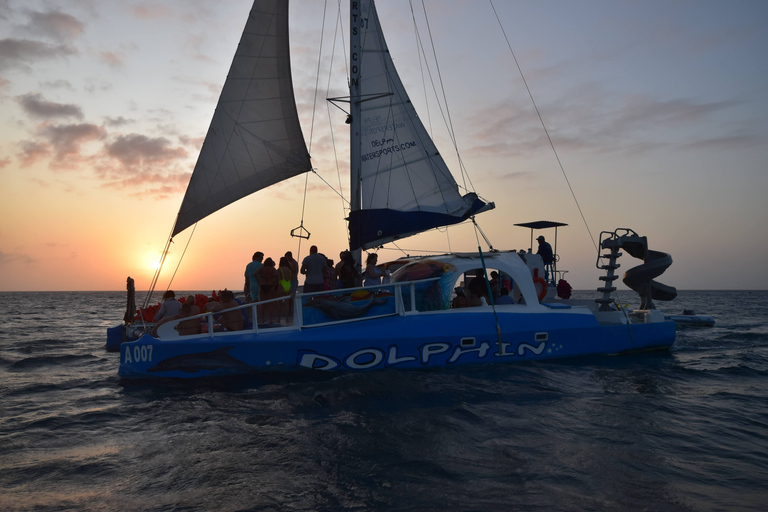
<point>255,138</point>
<point>406,186</point>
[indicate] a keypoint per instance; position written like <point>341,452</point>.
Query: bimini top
<point>541,224</point>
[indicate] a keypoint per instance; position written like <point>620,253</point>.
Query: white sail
<point>406,187</point>
<point>255,138</point>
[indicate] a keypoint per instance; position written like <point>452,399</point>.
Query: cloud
<point>150,11</point>
<point>24,52</point>
<point>136,149</point>
<point>148,166</point>
<point>9,258</point>
<point>98,86</point>
<point>111,59</point>
<point>68,140</point>
<point>145,185</point>
<point>117,121</point>
<point>33,151</point>
<point>598,122</point>
<point>725,142</point>
<point>58,84</point>
<point>55,25</point>
<point>35,105</point>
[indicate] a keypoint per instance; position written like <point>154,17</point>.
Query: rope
<point>552,145</point>
<point>182,256</point>
<point>155,278</point>
<point>490,296</point>
<point>312,126</point>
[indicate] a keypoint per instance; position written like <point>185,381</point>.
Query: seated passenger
<point>191,301</point>
<point>230,320</point>
<point>460,301</point>
<point>504,298</point>
<point>183,312</point>
<point>192,326</point>
<point>170,306</point>
<point>212,302</point>
<point>475,300</point>
<point>495,285</point>
<point>477,286</point>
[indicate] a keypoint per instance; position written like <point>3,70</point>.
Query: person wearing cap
<point>545,251</point>
<point>312,266</point>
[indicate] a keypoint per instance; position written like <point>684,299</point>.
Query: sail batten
<point>255,138</point>
<point>405,185</point>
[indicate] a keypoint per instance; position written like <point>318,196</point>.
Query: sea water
<point>685,429</point>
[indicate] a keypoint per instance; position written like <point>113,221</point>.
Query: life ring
<point>543,283</point>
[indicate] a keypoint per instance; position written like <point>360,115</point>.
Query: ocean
<point>679,430</point>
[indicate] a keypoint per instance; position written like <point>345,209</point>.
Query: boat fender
<point>540,281</point>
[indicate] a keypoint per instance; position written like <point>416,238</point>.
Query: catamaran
<point>401,186</point>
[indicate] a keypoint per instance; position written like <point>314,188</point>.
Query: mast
<point>355,22</point>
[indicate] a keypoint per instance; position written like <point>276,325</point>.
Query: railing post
<point>298,312</point>
<point>399,306</point>
<point>413,297</point>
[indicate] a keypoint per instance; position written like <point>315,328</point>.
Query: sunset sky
<point>658,111</point>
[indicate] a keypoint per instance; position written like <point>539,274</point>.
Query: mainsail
<point>406,187</point>
<point>255,138</point>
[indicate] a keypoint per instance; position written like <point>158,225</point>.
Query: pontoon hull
<point>425,340</point>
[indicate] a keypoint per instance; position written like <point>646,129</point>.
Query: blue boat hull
<point>439,339</point>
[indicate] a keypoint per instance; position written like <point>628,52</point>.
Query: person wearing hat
<point>545,251</point>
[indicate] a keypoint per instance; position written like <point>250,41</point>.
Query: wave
<point>31,363</point>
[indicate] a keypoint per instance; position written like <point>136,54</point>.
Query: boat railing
<point>322,308</point>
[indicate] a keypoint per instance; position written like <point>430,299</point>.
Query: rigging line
<point>445,98</point>
<point>338,171</point>
<point>343,43</point>
<point>182,256</point>
<point>478,228</point>
<point>317,82</point>
<point>441,110</point>
<point>328,109</point>
<point>329,186</point>
<point>557,157</point>
<point>405,251</point>
<point>447,175</point>
<point>312,124</point>
<point>487,282</point>
<point>398,248</point>
<point>419,52</point>
<point>155,278</point>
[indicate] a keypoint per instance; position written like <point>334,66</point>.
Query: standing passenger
<point>250,275</point>
<point>329,275</point>
<point>269,285</point>
<point>312,267</point>
<point>294,280</point>
<point>347,273</point>
<point>372,274</point>
<point>286,277</point>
